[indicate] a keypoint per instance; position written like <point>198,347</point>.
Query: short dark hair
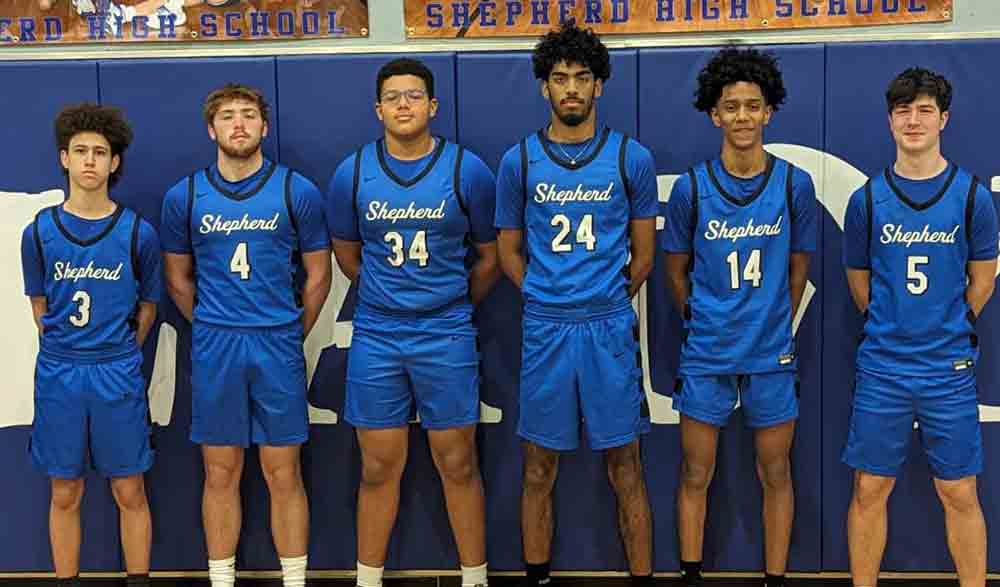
<point>404,66</point>
<point>917,81</point>
<point>732,65</point>
<point>234,91</point>
<point>573,45</point>
<point>107,121</point>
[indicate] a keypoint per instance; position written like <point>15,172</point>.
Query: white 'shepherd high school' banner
<point>486,18</point>
<point>41,22</point>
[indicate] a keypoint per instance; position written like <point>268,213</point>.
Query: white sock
<point>293,571</point>
<point>222,573</point>
<point>369,576</point>
<point>474,576</point>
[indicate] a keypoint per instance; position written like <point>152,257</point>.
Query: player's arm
<point>39,306</point>
<point>348,254</point>
<point>678,279</point>
<point>179,271</point>
<point>319,276</point>
<point>856,250</point>
<point>150,280</point>
<point>144,318</point>
<point>982,265</point>
<point>804,232</point>
<point>509,216</point>
<point>644,207</point>
<point>675,240</point>
<point>478,186</point>
<point>342,219</point>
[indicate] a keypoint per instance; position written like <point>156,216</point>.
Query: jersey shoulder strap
<point>37,237</point>
<point>789,195</point>
<point>457,181</point>
<point>970,207</point>
<point>621,166</point>
<point>288,201</point>
<point>190,209</point>
<point>870,213</point>
<point>693,177</point>
<point>524,179</point>
<point>134,245</point>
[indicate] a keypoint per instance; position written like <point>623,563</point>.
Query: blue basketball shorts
<point>399,368</point>
<point>90,411</point>
<point>767,399</point>
<point>248,385</point>
<point>945,407</point>
<point>586,369</point>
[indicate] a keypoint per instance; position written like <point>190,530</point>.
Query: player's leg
<point>135,521</point>
<point>454,452</point>
<point>221,508</point>
<point>282,470</point>
<point>771,406</point>
<point>378,405</point>
<point>635,520</point>
<point>59,445</point>
<point>877,443</point>
<point>443,367</point>
<point>549,422</point>
<point>948,413</point>
<point>120,446</point>
<point>613,404</point>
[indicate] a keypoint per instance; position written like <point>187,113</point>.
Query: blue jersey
<point>917,250</point>
<point>415,228</point>
<point>92,283</point>
<point>245,238</point>
<point>740,235</point>
<point>576,219</point>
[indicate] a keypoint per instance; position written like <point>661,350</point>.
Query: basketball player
<point>576,199</point>
<point>738,233</point>
<point>92,273</point>
<point>404,212</point>
<point>232,234</point>
<point>920,246</point>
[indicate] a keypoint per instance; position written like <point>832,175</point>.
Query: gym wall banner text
<point>41,22</point>
<point>487,18</point>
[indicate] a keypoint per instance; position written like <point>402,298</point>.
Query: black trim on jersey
<point>458,182</point>
<point>190,209</point>
<point>134,247</point>
<point>694,219</point>
<point>86,243</point>
<point>288,202</point>
<point>970,205</point>
<point>788,192</point>
<point>524,181</point>
<point>621,167</point>
<point>38,241</point>
<point>870,206</point>
<point>436,154</point>
<point>906,199</point>
<point>244,196</point>
<point>547,147</point>
<point>357,183</point>
<point>743,201</point>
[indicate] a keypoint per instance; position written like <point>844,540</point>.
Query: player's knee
<point>458,467</point>
<point>222,477</point>
<point>695,476</point>
<point>624,471</point>
<point>129,493</point>
<point>776,474</point>
<point>284,478</point>
<point>67,494</point>
<point>379,470</point>
<point>539,475</point>
<point>958,496</point>
<point>872,491</point>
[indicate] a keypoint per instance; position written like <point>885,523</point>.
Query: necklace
<point>572,159</point>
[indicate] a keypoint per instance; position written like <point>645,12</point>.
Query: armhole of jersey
<point>694,204</point>
<point>38,242</point>
<point>458,181</point>
<point>524,181</point>
<point>970,207</point>
<point>190,211</point>
<point>789,196</point>
<point>357,185</point>
<point>621,167</point>
<point>870,212</point>
<point>288,201</point>
<point>134,247</point>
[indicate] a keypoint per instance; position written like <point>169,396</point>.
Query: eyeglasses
<point>393,96</point>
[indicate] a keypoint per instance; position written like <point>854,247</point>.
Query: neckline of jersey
<point>756,193</point>
<point>547,147</point>
<point>910,201</point>
<point>87,242</point>
<point>239,197</point>
<point>406,183</point>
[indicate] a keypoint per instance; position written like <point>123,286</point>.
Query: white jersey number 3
<point>418,248</point>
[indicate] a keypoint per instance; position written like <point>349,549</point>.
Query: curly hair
<point>917,81</point>
<point>731,65</point>
<point>106,121</point>
<point>229,93</point>
<point>573,45</point>
<point>404,66</point>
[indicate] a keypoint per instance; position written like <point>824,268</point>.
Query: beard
<point>240,152</point>
<point>573,118</point>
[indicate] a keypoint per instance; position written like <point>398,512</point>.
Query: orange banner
<point>44,22</point>
<point>511,18</point>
